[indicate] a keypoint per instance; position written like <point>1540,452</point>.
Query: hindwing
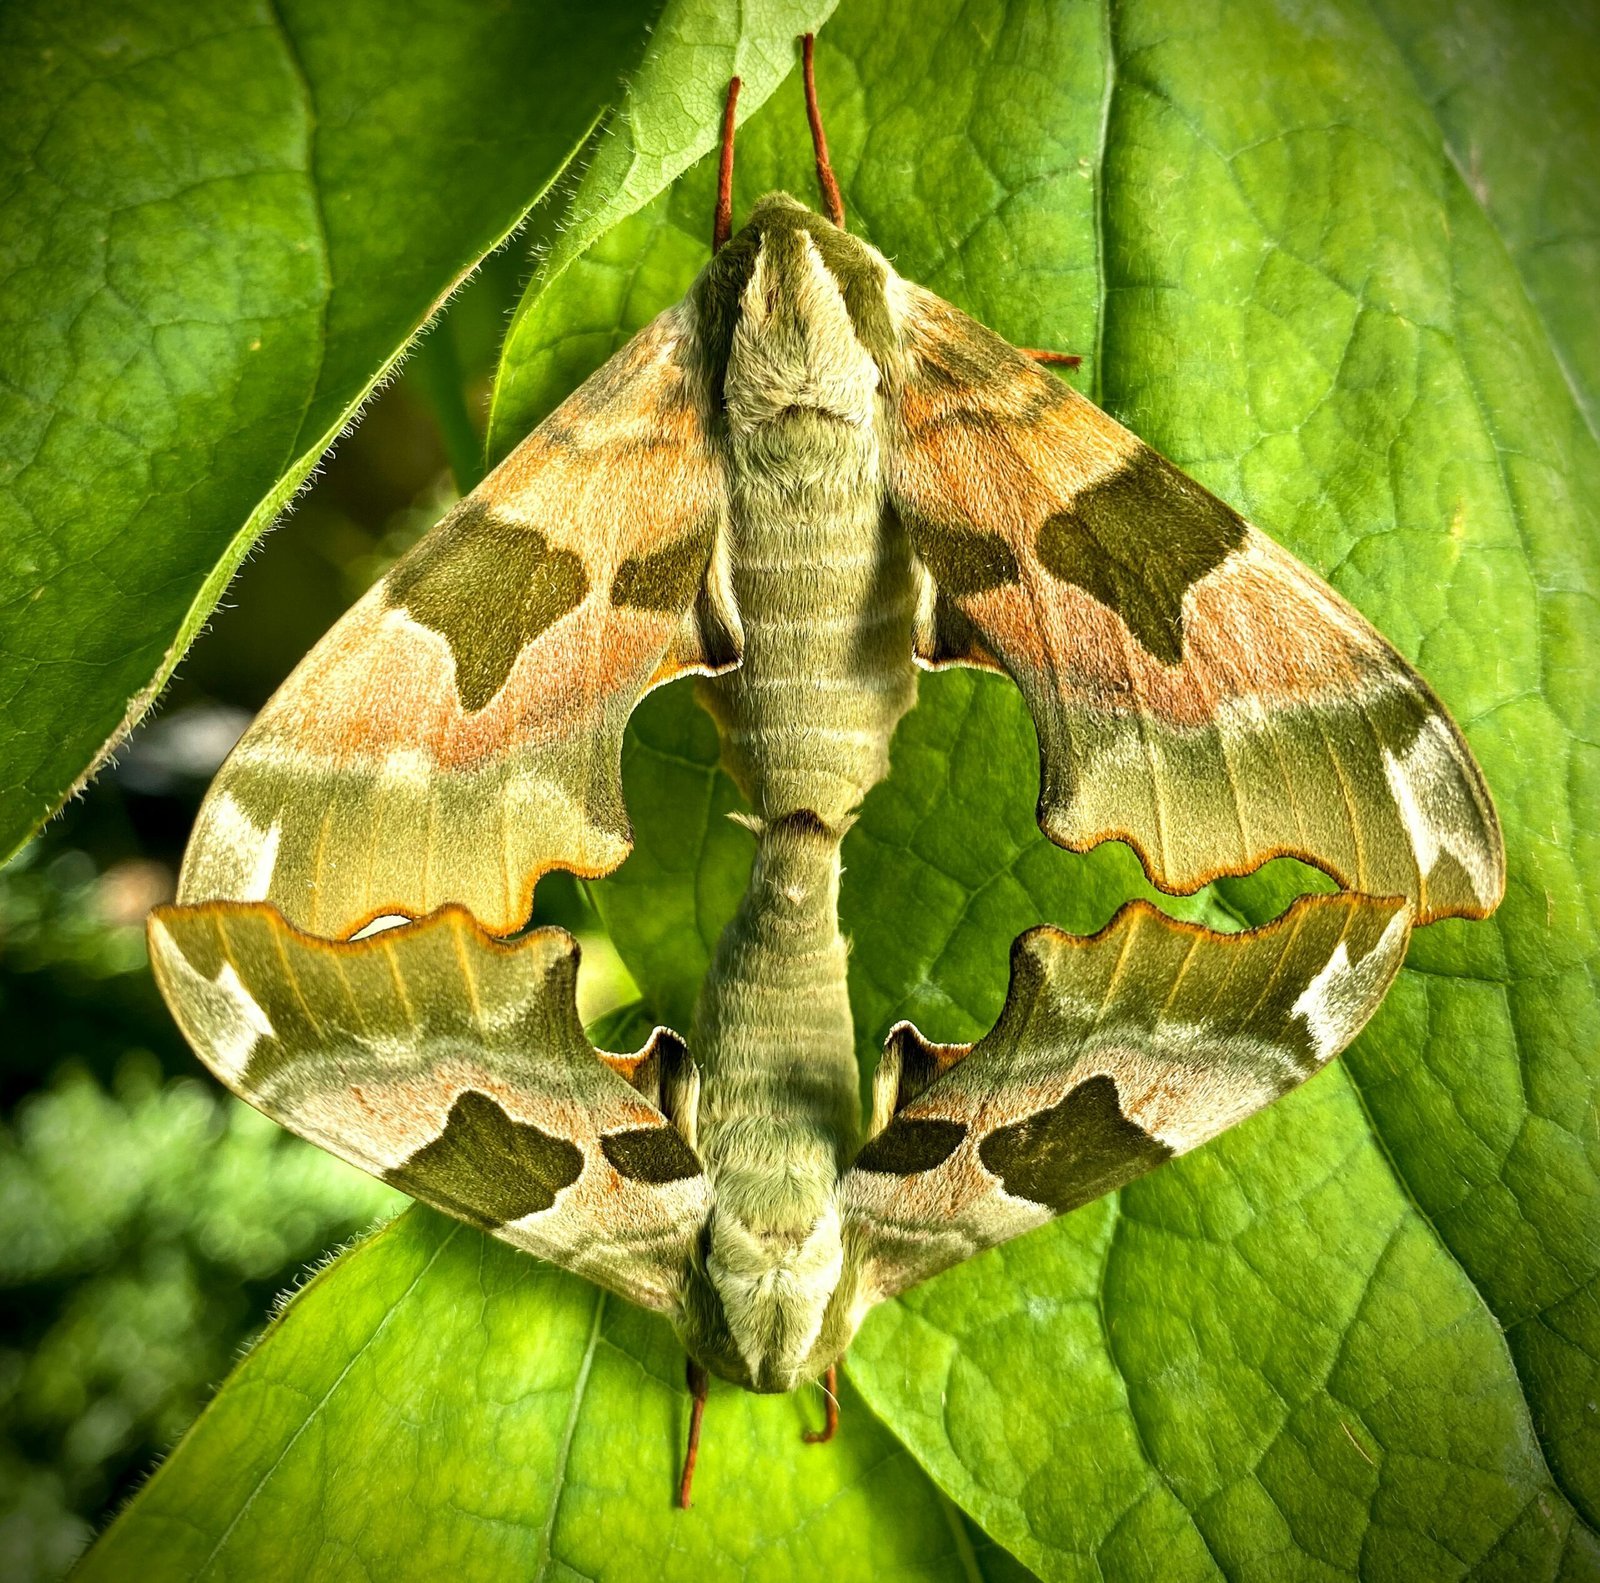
<point>455,1067</point>
<point>1113,1054</point>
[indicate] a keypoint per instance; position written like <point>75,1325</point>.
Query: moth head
<point>766,1310</point>
<point>797,320</point>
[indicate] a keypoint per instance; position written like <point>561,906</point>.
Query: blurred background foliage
<point>148,1220</point>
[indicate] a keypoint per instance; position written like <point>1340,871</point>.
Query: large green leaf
<point>1356,1336</point>
<point>437,1405</point>
<point>222,224</point>
<point>1360,1333</point>
<point>1518,99</point>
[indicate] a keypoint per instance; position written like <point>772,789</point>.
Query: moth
<point>804,481</point>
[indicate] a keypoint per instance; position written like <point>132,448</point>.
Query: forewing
<point>1196,690</point>
<point>454,1067</point>
<point>1113,1054</point>
<point>458,733</point>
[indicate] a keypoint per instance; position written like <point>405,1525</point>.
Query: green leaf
<point>1526,139</point>
<point>438,1405</point>
<point>222,225</point>
<point>1358,1334</point>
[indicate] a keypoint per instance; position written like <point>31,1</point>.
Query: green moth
<point>800,483</point>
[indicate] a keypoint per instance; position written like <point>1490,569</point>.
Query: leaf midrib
<point>297,70</point>
<point>1574,1500</point>
<point>558,1487</point>
<point>1588,1519</point>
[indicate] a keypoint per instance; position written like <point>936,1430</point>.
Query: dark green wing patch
<point>1074,1151</point>
<point>1136,541</point>
<point>911,1144</point>
<point>488,588</point>
<point>487,1168</point>
<point>665,579</point>
<point>962,560</point>
<point>650,1154</point>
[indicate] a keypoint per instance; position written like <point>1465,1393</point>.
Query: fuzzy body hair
<point>824,587</point>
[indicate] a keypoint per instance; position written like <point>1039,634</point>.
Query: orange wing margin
<point>1197,691</point>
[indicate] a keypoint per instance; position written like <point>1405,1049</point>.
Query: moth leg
<point>832,199</point>
<point>722,222</point>
<point>830,1422</point>
<point>699,1387</point>
<point>1058,359</point>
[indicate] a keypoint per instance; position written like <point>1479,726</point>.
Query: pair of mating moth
<point>804,480</point>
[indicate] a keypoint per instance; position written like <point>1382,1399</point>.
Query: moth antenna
<point>830,1421</point>
<point>1060,359</point>
<point>722,223</point>
<point>832,199</point>
<point>699,1387</point>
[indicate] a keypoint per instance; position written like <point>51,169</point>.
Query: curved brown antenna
<point>832,199</point>
<point>722,221</point>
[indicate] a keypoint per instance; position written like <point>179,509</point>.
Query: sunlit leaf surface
<point>1357,1336</point>
<point>221,225</point>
